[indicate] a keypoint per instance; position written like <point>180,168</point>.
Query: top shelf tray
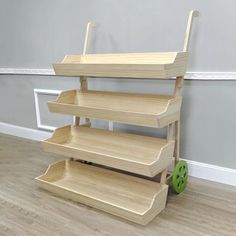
<point>132,65</point>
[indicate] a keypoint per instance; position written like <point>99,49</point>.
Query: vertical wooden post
<point>170,132</point>
<point>170,137</point>
<point>176,126</point>
<point>83,79</point>
<point>178,85</point>
<point>177,140</point>
<point>175,130</point>
<point>188,33</point>
<point>163,176</point>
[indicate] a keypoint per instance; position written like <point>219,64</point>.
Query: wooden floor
<point>205,208</point>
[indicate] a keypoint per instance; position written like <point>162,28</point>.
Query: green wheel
<point>180,176</point>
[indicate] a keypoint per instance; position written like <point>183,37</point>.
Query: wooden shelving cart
<point>128,194</point>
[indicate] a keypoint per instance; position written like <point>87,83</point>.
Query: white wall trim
<point>37,110</point>
<point>210,76</point>
<point>212,172</point>
<point>197,75</point>
<point>26,71</point>
<point>23,132</point>
<point>196,169</point>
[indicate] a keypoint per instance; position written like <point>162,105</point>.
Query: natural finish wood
<point>163,179</point>
<point>177,141</point>
<point>174,130</point>
<point>87,39</point>
<point>170,132</point>
<point>83,79</point>
<point>134,153</point>
<point>188,33</point>
<point>173,133</point>
<point>204,208</point>
<point>129,197</point>
<point>133,65</point>
<point>140,109</point>
<point>178,86</point>
<point>120,194</point>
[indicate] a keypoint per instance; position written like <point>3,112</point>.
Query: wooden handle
<point>192,14</point>
<point>87,40</point>
<point>83,79</point>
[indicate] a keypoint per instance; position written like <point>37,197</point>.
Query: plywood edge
<point>67,96</point>
<point>178,58</point>
<point>109,68</point>
<point>132,71</point>
<point>181,55</point>
<point>61,134</point>
<point>71,59</point>
<point>157,205</point>
<point>64,98</point>
<point>163,160</point>
<point>121,58</point>
<point>54,171</point>
<point>167,119</point>
<point>169,146</point>
<point>171,113</point>
<point>173,105</point>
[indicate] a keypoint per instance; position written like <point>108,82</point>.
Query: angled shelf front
<point>134,153</point>
<point>131,108</point>
<point>129,197</point>
<point>161,65</point>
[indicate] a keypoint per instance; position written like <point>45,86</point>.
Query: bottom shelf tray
<point>129,197</point>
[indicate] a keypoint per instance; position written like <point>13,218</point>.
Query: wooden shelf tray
<point>138,109</point>
<point>129,197</point>
<point>134,153</point>
<point>133,65</point>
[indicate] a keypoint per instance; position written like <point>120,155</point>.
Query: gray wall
<point>34,34</point>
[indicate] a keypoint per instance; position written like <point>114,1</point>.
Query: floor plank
<point>205,208</point>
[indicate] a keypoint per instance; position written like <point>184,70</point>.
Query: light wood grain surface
<point>136,199</point>
<point>160,65</point>
<point>205,208</point>
<point>132,108</point>
<point>134,153</point>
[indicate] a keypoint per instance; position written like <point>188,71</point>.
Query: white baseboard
<point>190,75</point>
<point>212,172</point>
<point>196,169</point>
<point>23,132</point>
